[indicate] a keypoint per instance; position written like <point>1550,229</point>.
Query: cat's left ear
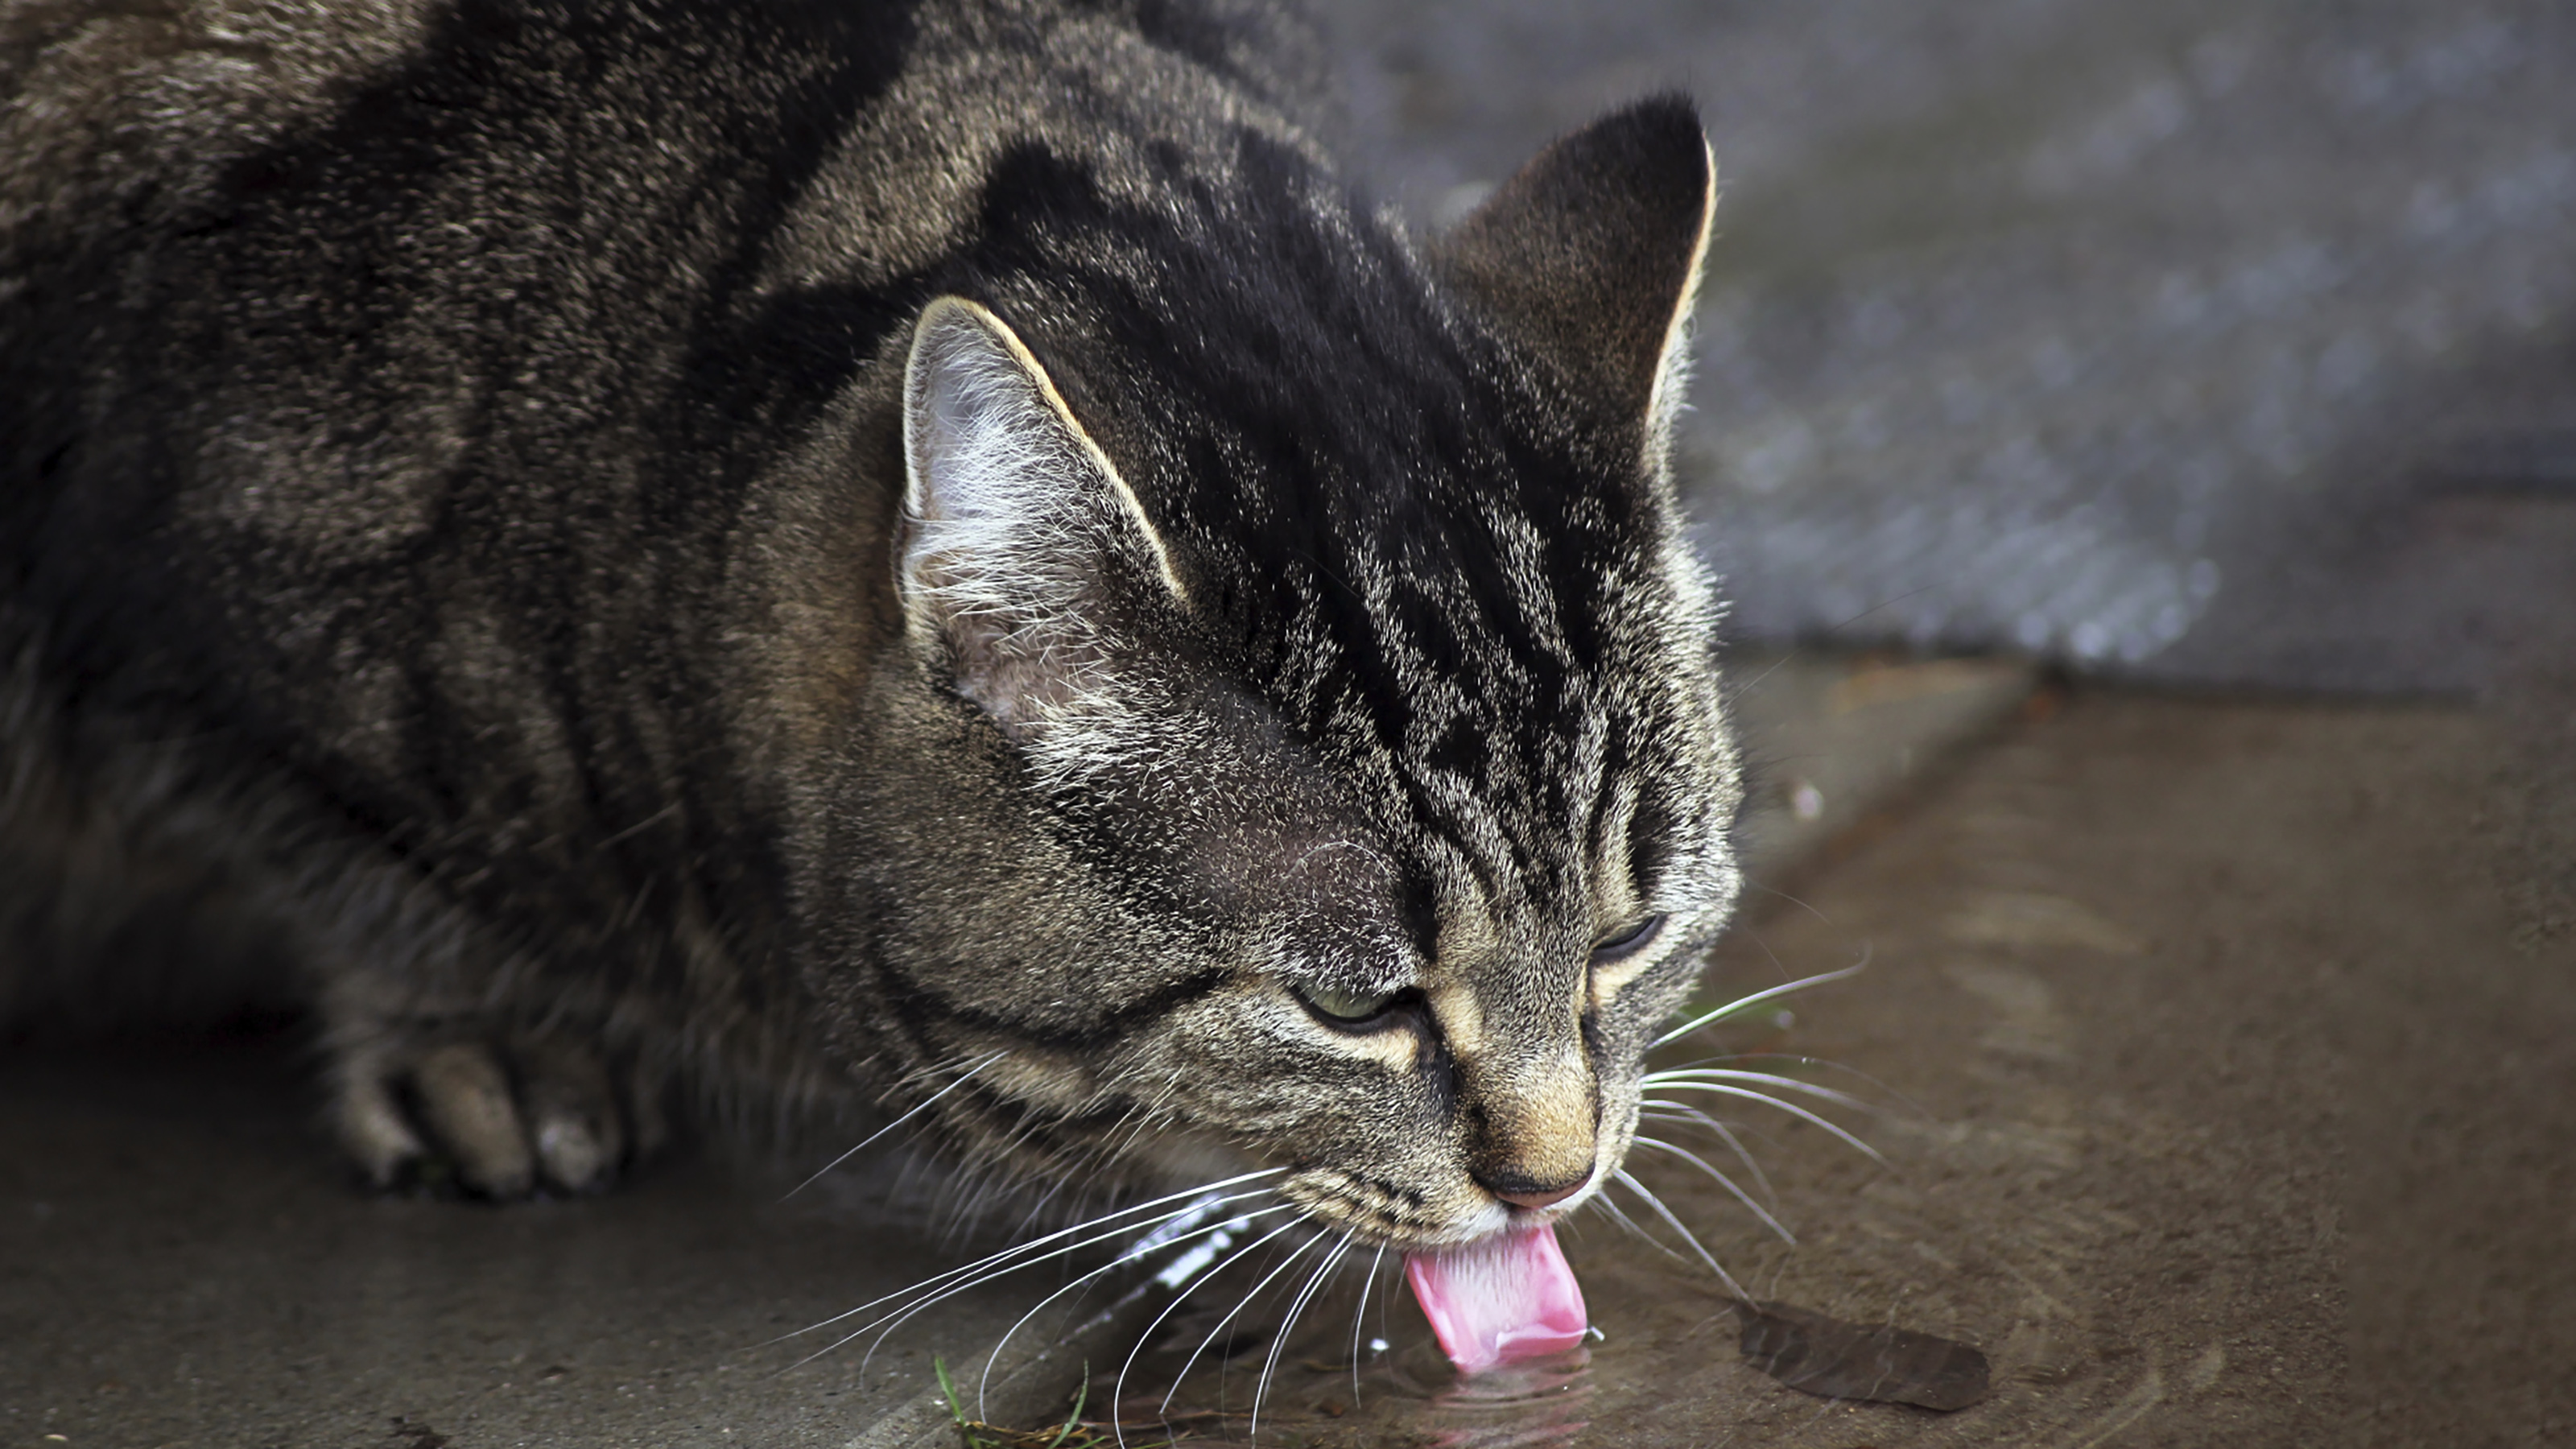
<point>1024,550</point>
<point>1591,255</point>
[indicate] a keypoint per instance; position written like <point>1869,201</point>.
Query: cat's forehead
<point>1506,686</point>
<point>1442,569</point>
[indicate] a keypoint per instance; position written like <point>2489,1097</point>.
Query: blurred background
<point>2218,344</point>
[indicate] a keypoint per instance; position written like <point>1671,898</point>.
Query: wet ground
<point>2222,1053</point>
<point>2219,1107</point>
<point>183,1263</point>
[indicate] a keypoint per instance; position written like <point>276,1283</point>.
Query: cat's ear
<point>1023,549</point>
<point>1591,254</point>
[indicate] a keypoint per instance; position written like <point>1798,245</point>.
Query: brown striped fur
<point>835,551</point>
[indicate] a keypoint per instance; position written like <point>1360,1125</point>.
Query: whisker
<point>1792,1108</point>
<point>1035,1211</point>
<point>1140,1120</point>
<point>1118,1390</point>
<point>1746,1003</point>
<point>889,1322</point>
<point>1730,1074</point>
<point>1806,1061</point>
<point>1675,1111</point>
<point>1633,1185</point>
<point>1296,1309</point>
<point>1011,1260</point>
<point>1792,1058</point>
<point>1793,900</point>
<point>1755,682</point>
<point>1767,953</point>
<point>1723,1181</point>
<point>1359,1315</point>
<point>1151,1244</point>
<point>1620,1216</point>
<point>916,1111</point>
<point>1240,1304</point>
<point>1189,1199</point>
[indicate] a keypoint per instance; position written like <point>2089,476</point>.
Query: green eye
<point>1623,944</point>
<point>1347,1007</point>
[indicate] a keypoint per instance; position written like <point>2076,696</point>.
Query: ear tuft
<point>1024,549</point>
<point>1590,254</point>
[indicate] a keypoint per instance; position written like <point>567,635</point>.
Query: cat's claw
<point>504,1125</point>
<point>579,1134</point>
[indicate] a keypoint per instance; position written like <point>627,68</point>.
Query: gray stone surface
<point>1831,739</point>
<point>2224,1096</point>
<point>2226,1054</point>
<point>2075,327</point>
<point>182,1262</point>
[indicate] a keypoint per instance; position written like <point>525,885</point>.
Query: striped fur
<point>810,547</point>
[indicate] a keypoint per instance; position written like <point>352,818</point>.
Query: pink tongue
<point>1507,1298</point>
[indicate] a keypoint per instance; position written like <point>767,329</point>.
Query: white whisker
<point>1279,1341</point>
<point>1677,1111</point>
<point>1359,1315</point>
<point>1743,1004</point>
<point>1117,1417</point>
<point>889,1322</point>
<point>1240,1304</point>
<point>1792,1108</point>
<point>916,1111</point>
<point>1771,1079</point>
<point>1188,1199</point>
<point>1603,1201</point>
<point>1793,1059</point>
<point>1793,900</point>
<point>1633,1185</point>
<point>1723,1181</point>
<point>1153,1243</point>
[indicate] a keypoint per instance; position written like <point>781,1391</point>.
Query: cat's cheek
<point>1033,1079</point>
<point>1182,1155</point>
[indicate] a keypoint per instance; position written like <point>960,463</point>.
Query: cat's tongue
<point>1507,1298</point>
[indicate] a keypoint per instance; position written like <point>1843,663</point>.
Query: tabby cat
<point>816,551</point>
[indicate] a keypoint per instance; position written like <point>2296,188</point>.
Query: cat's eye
<point>1620,945</point>
<point>1347,1008</point>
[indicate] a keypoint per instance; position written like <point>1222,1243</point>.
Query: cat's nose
<point>1524,1191</point>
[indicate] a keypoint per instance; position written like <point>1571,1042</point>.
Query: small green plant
<point>976,1434</point>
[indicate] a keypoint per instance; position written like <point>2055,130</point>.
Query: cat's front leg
<point>421,1099</point>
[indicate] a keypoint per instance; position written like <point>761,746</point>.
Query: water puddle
<point>1199,1379</point>
<point>1881,1362</point>
<point>1346,1374</point>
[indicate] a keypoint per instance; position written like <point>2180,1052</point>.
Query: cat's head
<point>1303,748</point>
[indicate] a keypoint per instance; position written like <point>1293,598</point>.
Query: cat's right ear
<point>1590,256</point>
<point>1022,545</point>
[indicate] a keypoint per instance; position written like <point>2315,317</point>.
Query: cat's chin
<point>1486,1223</point>
<point>1379,1214</point>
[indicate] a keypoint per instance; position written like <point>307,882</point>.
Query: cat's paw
<point>500,1122</point>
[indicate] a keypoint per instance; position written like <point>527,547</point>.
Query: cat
<point>797,553</point>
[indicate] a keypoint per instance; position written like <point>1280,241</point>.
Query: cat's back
<point>409,331</point>
<point>421,396</point>
<point>393,210</point>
